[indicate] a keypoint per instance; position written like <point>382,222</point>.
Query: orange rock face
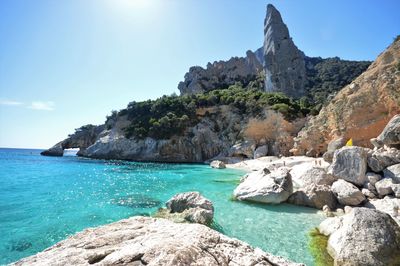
<point>360,110</point>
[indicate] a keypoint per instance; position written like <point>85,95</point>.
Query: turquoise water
<point>45,199</point>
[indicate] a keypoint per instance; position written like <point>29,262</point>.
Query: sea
<point>46,199</point>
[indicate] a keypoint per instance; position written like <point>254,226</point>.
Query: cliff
<point>284,65</point>
<point>222,74</point>
<point>360,110</point>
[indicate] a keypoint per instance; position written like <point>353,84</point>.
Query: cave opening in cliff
<point>70,152</point>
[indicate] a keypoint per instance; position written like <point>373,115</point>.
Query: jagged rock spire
<point>284,63</point>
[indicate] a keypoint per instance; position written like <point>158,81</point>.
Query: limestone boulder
<point>332,147</point>
<point>315,196</point>
<point>384,187</point>
<point>309,173</point>
<point>150,241</point>
<point>373,177</point>
<point>368,193</point>
<point>243,149</point>
<point>347,193</point>
<point>393,172</point>
<point>365,237</point>
<point>382,158</point>
<point>330,225</point>
<point>193,206</point>
<point>265,186</point>
<point>261,151</point>
<point>56,150</point>
<point>350,164</point>
<point>218,164</point>
<point>389,205</point>
<point>390,135</point>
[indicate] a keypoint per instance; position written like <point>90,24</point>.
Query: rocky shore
<point>359,187</point>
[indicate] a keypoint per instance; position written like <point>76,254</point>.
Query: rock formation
<point>284,65</point>
<point>83,137</point>
<point>221,74</point>
<point>193,207</point>
<point>360,110</point>
<point>265,186</point>
<point>150,241</point>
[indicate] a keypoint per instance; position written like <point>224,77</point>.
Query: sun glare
<point>134,3</point>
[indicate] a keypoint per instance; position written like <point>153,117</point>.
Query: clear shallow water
<point>45,199</point>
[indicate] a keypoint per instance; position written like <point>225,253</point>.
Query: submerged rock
<point>365,237</point>
<point>265,186</point>
<point>150,241</point>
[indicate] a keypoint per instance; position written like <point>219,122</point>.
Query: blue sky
<point>67,63</point>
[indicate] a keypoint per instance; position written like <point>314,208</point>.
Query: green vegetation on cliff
<point>327,76</point>
<point>171,115</point>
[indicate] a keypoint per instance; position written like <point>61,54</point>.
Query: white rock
<point>384,187</point>
<point>367,193</point>
<point>387,205</point>
<point>330,225</point>
<point>217,164</point>
<point>347,209</point>
<point>393,172</point>
<point>193,205</point>
<point>307,174</point>
<point>347,193</point>
<point>373,177</point>
<point>350,164</point>
<point>150,241</point>
<point>265,187</point>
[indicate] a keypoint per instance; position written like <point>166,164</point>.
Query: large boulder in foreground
<point>192,207</point>
<point>365,237</point>
<point>347,193</point>
<point>265,186</point>
<point>150,241</point>
<point>350,164</point>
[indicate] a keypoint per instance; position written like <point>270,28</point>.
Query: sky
<point>67,63</point>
